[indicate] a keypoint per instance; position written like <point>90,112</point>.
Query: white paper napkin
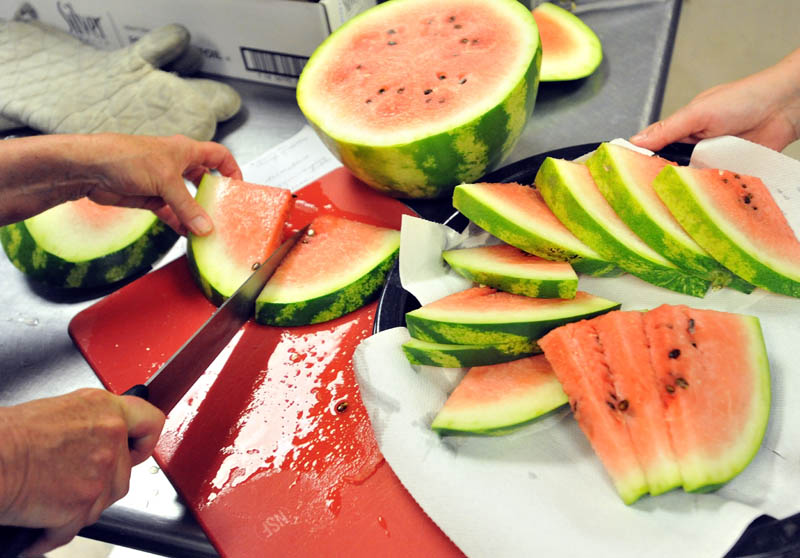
<point>541,491</point>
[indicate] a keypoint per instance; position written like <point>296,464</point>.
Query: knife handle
<point>139,390</point>
<point>14,540</point>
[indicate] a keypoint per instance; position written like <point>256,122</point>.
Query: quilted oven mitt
<point>54,83</point>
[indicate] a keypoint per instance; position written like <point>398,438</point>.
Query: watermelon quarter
<point>82,244</point>
<point>415,97</point>
<point>570,49</point>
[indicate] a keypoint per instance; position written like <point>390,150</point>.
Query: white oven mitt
<point>54,83</point>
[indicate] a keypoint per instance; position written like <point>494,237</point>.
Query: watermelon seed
<point>682,383</point>
<point>463,81</point>
<point>442,76</point>
<point>457,26</point>
<point>736,176</point>
<point>255,266</point>
<point>465,41</point>
<point>674,353</point>
<point>690,329</point>
<point>401,89</point>
<point>623,405</point>
<point>670,388</point>
<point>744,185</point>
<point>474,41</point>
<point>391,43</point>
<point>428,91</point>
<point>341,407</point>
<point>694,345</point>
<point>725,180</point>
<point>613,396</point>
<point>747,199</point>
<point>610,404</point>
<point>358,67</point>
<point>451,19</point>
<point>369,101</point>
<point>381,91</point>
<point>427,100</point>
<point>391,31</point>
<point>441,100</point>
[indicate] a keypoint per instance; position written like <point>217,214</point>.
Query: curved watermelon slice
<point>450,355</point>
<point>570,49</point>
<point>500,398</point>
<point>82,244</point>
<point>735,218</point>
<point>482,315</point>
<point>509,269</point>
<point>415,96</point>
<point>517,215</point>
<point>338,267</point>
<point>248,226</point>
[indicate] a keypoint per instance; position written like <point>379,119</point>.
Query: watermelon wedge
<point>415,97</point>
<point>482,315</point>
<point>450,355</point>
<point>517,215</point>
<point>509,269</point>
<point>625,178</point>
<point>570,49</point>
<point>572,195</point>
<point>735,218</point>
<point>248,226</point>
<point>81,244</point>
<point>500,398</point>
<point>338,267</point>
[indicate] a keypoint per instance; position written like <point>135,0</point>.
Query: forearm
<point>11,466</point>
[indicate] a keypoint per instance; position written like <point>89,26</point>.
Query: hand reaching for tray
<point>65,459</point>
<point>763,108</point>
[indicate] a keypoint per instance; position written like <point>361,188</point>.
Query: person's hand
<point>64,459</point>
<point>763,108</point>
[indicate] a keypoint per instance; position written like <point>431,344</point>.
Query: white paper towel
<point>541,491</point>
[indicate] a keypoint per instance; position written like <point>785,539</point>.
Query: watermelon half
<point>735,218</point>
<point>248,226</point>
<point>415,96</point>
<point>451,355</point>
<point>82,244</point>
<point>570,49</point>
<point>500,398</point>
<point>339,266</point>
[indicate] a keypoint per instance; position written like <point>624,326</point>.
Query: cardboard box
<point>267,41</point>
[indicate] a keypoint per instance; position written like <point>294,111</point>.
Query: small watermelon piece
<point>736,219</point>
<point>570,49</point>
<point>500,398</point>
<point>450,355</point>
<point>248,226</point>
<point>625,178</point>
<point>482,315</point>
<point>575,353</point>
<point>415,97</point>
<point>81,244</point>
<point>339,266</point>
<point>713,375</point>
<point>509,269</point>
<point>517,215</point>
<point>572,195</point>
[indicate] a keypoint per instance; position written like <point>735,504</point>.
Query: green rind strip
<point>215,296</point>
<point>633,209</point>
<point>466,356</point>
<point>556,190</point>
<point>693,216</point>
<point>524,236</point>
<point>31,259</point>
<point>329,306</point>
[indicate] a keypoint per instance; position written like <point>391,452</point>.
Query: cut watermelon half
<point>570,49</point>
<point>415,97</point>
<point>501,398</point>
<point>339,266</point>
<point>450,355</point>
<point>509,269</point>
<point>81,244</point>
<point>518,216</point>
<point>735,218</point>
<point>248,226</point>
<point>572,195</point>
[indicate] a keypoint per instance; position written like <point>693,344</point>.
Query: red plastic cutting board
<point>272,450</point>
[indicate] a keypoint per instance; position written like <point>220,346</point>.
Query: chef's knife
<point>176,376</point>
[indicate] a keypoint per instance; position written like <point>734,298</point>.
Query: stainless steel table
<point>40,360</point>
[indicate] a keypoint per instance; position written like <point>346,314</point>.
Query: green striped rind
<point>526,236</point>
<point>450,355</point>
<point>694,216</point>
<point>431,165</point>
<point>556,187</point>
<point>329,306</point>
<point>485,326</point>
<point>211,293</point>
<point>647,222</point>
<point>30,258</point>
<point>503,276</point>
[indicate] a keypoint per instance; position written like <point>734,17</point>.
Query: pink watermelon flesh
<point>479,298</point>
<point>507,254</point>
<point>97,215</point>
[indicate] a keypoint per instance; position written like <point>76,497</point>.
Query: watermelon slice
<point>450,355</point>
<point>500,398</point>
<point>81,244</point>
<point>248,226</point>
<point>570,49</point>
<point>735,218</point>
<point>338,267</point>
<point>509,269</point>
<point>415,97</point>
<point>483,315</point>
<point>625,178</point>
<point>572,195</point>
<point>517,215</point>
